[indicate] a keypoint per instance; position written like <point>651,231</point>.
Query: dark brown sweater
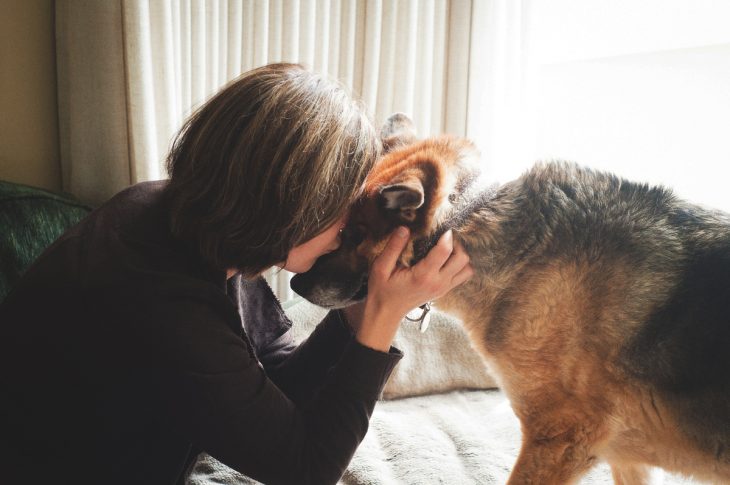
<point>122,356</point>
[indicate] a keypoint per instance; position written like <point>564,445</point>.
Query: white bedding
<point>444,423</point>
<point>455,438</point>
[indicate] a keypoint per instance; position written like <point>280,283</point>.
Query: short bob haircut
<point>271,161</point>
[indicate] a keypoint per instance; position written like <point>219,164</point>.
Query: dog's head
<point>416,184</point>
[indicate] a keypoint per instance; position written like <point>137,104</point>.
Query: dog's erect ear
<point>397,131</point>
<point>405,197</point>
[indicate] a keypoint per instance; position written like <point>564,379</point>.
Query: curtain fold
<point>131,71</point>
<point>92,99</point>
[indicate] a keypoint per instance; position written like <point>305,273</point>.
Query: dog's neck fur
<point>477,220</point>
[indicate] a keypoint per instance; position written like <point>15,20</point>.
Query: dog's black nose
<point>298,285</point>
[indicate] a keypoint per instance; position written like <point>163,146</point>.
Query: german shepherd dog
<point>601,305</point>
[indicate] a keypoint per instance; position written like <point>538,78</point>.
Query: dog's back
<point>676,298</point>
<point>609,303</point>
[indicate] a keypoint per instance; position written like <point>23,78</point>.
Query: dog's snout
<point>298,285</point>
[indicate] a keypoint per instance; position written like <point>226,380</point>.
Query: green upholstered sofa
<point>30,220</point>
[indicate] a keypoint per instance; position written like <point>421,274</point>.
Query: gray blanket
<point>443,422</point>
<point>456,438</point>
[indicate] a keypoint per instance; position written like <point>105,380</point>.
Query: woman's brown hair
<point>269,162</point>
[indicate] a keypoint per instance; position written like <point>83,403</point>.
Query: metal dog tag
<point>424,322</point>
<point>423,317</point>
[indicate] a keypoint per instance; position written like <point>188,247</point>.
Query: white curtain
<point>131,71</point>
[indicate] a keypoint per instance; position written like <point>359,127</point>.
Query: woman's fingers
<point>455,271</point>
<point>399,290</point>
<point>439,254</point>
<point>463,275</point>
<point>386,261</point>
<point>456,261</point>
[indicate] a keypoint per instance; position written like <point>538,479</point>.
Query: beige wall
<point>29,151</point>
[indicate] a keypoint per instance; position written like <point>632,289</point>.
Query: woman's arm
<point>214,393</point>
<point>299,370</point>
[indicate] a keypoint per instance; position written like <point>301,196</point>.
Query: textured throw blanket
<point>457,438</point>
<point>442,422</point>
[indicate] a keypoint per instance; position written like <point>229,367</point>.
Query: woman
<point>145,334</point>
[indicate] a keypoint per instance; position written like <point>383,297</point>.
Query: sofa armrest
<point>30,220</point>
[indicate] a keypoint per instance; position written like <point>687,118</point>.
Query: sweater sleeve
<point>301,370</point>
<point>298,370</point>
<point>216,394</point>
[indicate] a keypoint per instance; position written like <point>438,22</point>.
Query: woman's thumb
<point>394,247</point>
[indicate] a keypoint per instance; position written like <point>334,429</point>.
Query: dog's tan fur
<point>553,328</point>
<point>572,405</point>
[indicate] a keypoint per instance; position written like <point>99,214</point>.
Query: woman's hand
<point>394,290</point>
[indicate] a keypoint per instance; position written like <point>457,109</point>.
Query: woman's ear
<point>404,197</point>
<point>398,130</point>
